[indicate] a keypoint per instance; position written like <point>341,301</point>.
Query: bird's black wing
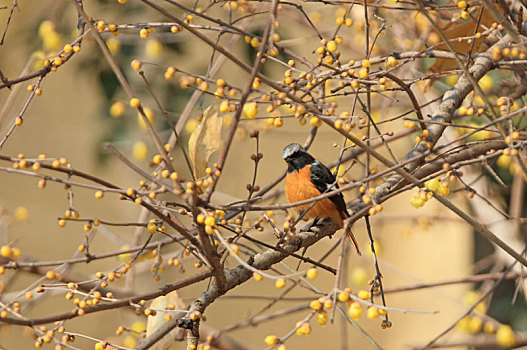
<point>323,179</point>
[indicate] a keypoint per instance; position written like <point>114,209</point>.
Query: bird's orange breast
<point>298,187</point>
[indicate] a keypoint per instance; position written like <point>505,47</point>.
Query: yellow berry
<point>363,73</point>
<point>157,159</point>
<point>280,283</point>
<point>210,221</point>
<point>21,213</point>
<point>271,340</point>
<point>343,296</point>
<point>136,64</point>
<point>331,46</point>
<point>315,121</point>
<point>312,273</point>
<point>364,294</point>
<point>149,114</point>
<point>16,253</point>
<point>140,150</point>
<point>391,62</point>
<point>5,251</point>
<point>355,311</point>
<point>224,106</point>
<point>372,312</point>
<point>151,228</point>
<point>135,102</point>
<point>505,336</point>
<point>250,110</point>
<point>315,305</point>
<point>489,327</point>
<point>278,122</point>
<point>117,109</point>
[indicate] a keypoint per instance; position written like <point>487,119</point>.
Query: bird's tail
<point>353,240</point>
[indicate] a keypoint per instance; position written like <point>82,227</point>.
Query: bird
<point>308,178</point>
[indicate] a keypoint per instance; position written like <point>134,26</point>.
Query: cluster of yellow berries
<point>82,304</point>
<point>250,110</point>
<point>341,20</point>
<point>137,329</point>
<point>432,186</point>
<point>51,40</point>
<point>243,6</point>
<point>89,224</point>
<point>303,328</point>
<point>212,174</point>
<point>103,26</point>
<point>145,32</point>
<point>208,221</point>
<point>474,323</point>
<point>509,140</point>
<point>227,106</point>
<point>169,73</point>
<point>507,53</point>
<point>329,52</point>
<point>440,188</point>
<point>320,306</point>
<point>419,198</point>
<point>470,111</point>
<point>222,89</point>
<point>410,124</point>
<point>367,196</point>
<point>354,307</point>
<point>60,59</point>
<point>423,137</point>
<point>7,251</point>
<point>47,336</point>
<point>35,164</point>
<point>506,105</point>
<point>462,4</point>
<point>275,121</point>
<point>112,276</point>
<point>30,88</point>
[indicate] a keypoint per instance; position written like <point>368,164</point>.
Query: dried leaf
<point>205,140</point>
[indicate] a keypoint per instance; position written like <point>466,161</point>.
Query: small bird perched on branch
<point>308,178</point>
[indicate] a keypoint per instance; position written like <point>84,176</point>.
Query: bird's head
<point>296,157</point>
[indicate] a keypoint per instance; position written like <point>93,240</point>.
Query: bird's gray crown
<point>291,149</point>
